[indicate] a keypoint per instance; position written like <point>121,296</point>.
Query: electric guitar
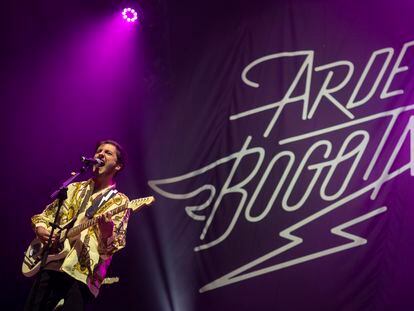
<point>33,254</point>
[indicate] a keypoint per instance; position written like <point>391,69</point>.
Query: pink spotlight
<point>130,15</point>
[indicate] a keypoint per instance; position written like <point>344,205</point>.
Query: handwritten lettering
<point>318,164</point>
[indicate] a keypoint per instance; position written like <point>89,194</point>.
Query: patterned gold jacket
<point>89,257</point>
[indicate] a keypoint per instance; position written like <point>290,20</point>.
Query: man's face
<point>106,153</point>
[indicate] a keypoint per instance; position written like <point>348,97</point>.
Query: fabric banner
<point>287,164</point>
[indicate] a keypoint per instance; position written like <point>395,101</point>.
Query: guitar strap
<point>86,194</point>
<point>99,200</point>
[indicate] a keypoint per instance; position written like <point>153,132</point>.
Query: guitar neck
<point>133,205</point>
<point>91,222</point>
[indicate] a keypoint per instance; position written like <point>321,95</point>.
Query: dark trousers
<point>52,286</point>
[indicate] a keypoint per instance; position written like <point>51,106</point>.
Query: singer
<point>76,278</point>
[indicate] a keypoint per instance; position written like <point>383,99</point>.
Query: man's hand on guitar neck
<point>43,235</point>
<point>105,225</point>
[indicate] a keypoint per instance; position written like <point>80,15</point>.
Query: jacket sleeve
<point>45,218</point>
<point>107,247</point>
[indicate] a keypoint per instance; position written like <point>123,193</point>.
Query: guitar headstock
<point>137,203</point>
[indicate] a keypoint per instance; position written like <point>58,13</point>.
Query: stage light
<point>130,15</point>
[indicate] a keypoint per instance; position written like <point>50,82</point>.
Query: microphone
<point>92,161</point>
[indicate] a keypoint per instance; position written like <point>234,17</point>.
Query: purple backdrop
<point>277,138</point>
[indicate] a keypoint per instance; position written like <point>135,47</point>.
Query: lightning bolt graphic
<point>355,241</point>
<point>240,275</point>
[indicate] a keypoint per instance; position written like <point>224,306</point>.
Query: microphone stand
<point>61,195</point>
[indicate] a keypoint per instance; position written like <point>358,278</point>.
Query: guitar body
<point>33,256</point>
